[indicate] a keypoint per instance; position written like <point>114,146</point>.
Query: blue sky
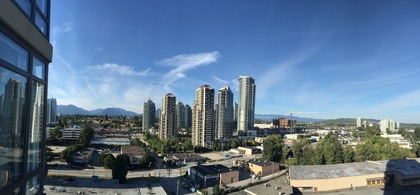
<point>335,58</point>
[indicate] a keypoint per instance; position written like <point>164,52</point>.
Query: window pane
<point>26,5</point>
<point>40,22</point>
<point>42,4</point>
<point>36,125</point>
<point>13,53</point>
<point>38,68</point>
<point>32,186</point>
<point>12,117</point>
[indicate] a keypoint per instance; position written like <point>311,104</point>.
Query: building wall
<point>229,177</point>
<point>341,183</point>
<point>24,56</point>
<point>264,170</point>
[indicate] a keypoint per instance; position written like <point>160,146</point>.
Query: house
<point>135,153</point>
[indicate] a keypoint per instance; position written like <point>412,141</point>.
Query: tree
<point>216,189</point>
<point>109,161</point>
<point>49,155</point>
<point>273,145</point>
<point>85,136</point>
<point>55,133</point>
<point>187,145</point>
<point>348,154</point>
<point>234,144</point>
<point>120,167</point>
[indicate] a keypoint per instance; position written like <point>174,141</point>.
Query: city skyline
<point>338,59</point>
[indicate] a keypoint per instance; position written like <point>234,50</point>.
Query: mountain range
<point>73,110</point>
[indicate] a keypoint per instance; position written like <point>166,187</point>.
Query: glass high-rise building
<point>188,117</point>
<point>224,114</point>
<point>51,110</point>
<point>180,115</point>
<point>246,105</point>
<point>149,119</point>
<point>25,53</point>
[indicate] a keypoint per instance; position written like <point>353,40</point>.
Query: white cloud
<point>220,80</point>
<point>407,100</point>
<point>121,69</point>
<point>185,62</point>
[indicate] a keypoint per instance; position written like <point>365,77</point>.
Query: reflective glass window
<point>26,5</point>
<point>41,23</point>
<point>35,127</point>
<point>42,4</point>
<point>12,115</point>
<point>13,53</point>
<point>32,186</point>
<point>38,68</point>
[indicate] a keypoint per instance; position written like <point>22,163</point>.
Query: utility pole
<point>177,187</point>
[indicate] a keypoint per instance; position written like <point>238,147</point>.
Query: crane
<point>291,117</point>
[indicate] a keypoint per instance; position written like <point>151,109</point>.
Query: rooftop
<point>406,167</point>
<point>182,156</point>
<point>134,150</point>
<point>260,162</point>
<point>211,169</point>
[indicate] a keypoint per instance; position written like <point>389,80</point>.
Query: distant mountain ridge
<point>73,110</point>
<point>269,117</point>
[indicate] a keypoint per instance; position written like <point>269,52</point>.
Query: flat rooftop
<point>407,167</point>
<point>260,162</point>
<point>211,169</point>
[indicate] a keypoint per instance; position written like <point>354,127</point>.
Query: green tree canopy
<point>85,136</point>
<point>273,146</point>
<point>120,167</point>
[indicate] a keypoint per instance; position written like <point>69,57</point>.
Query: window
<point>12,114</point>
<point>32,186</point>
<point>13,53</point>
<point>38,69</point>
<point>41,23</point>
<point>35,127</point>
<point>37,13</point>
<point>26,5</point>
<point>42,5</point>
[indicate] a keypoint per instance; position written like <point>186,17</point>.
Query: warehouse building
<point>350,176</point>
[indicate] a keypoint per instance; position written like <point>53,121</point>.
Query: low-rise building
<point>83,157</point>
<point>135,153</point>
<point>210,175</point>
<point>249,150</point>
<point>184,158</point>
<point>347,176</point>
<point>118,141</point>
<point>262,167</point>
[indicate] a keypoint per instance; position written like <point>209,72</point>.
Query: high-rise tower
<point>224,114</point>
<point>246,105</point>
<point>168,127</point>
<point>51,110</point>
<point>188,117</point>
<point>149,119</point>
<point>180,115</point>
<point>203,117</point>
